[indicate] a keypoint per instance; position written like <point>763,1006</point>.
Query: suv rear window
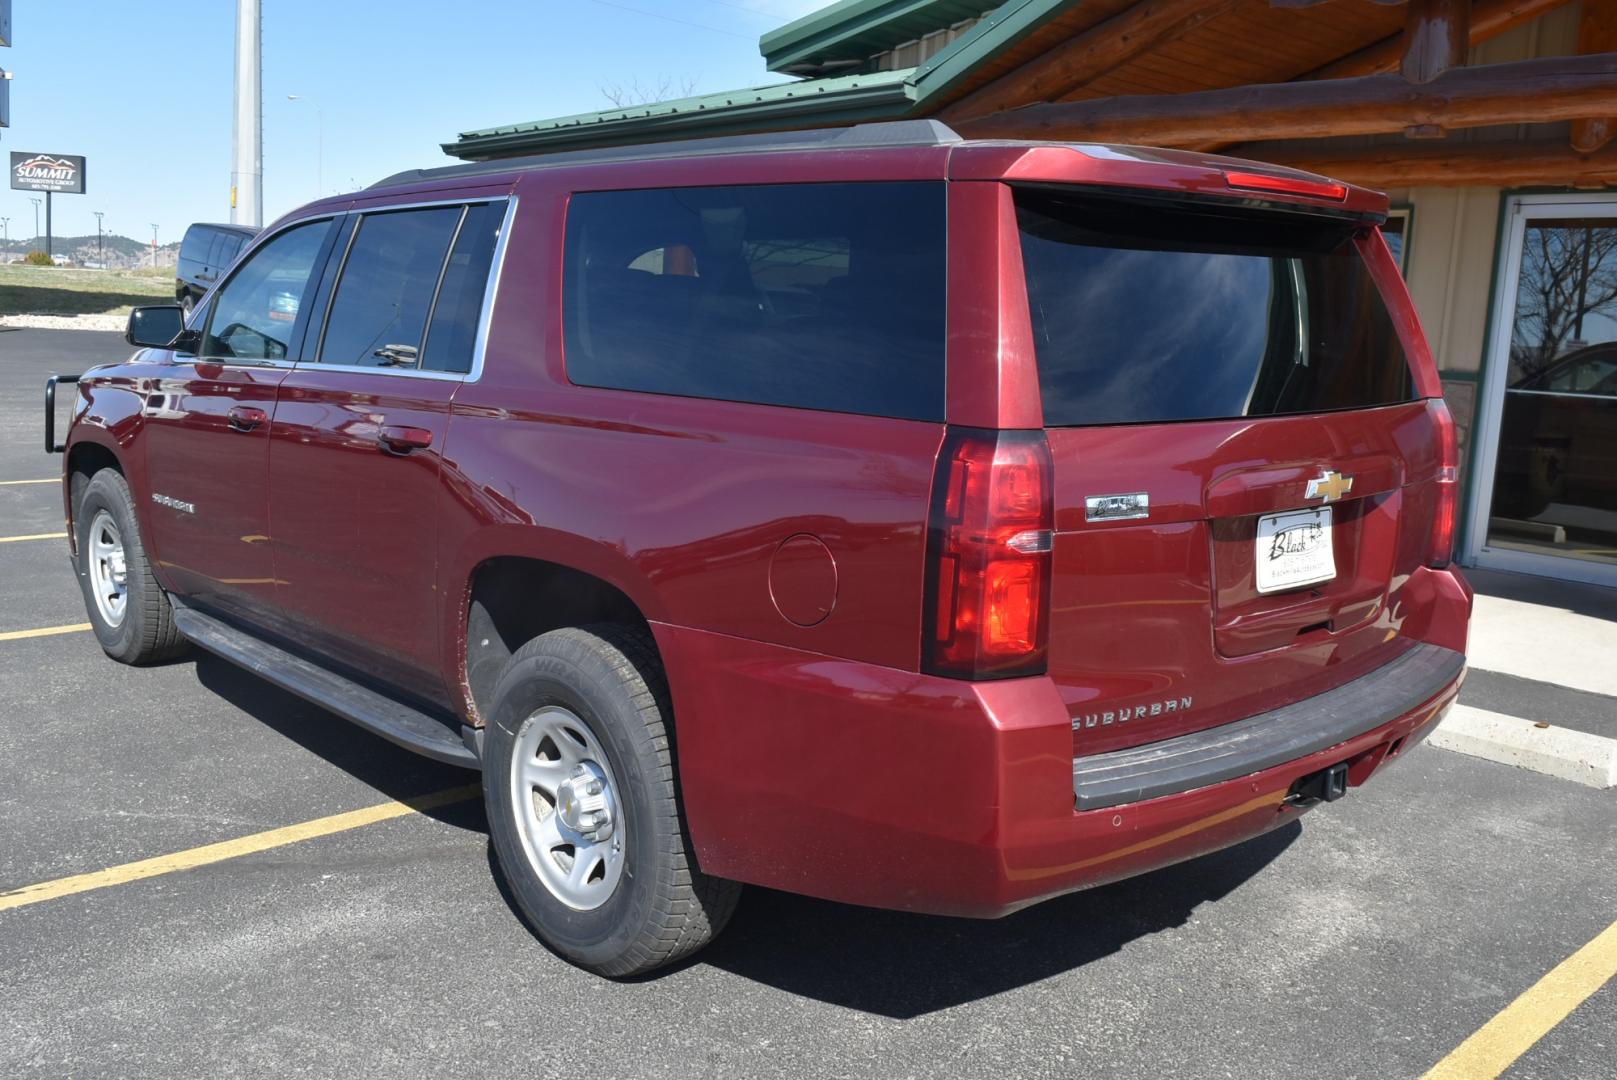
<point>1149,312</point>
<point>819,296</point>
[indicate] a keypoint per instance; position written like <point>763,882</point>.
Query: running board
<point>392,720</point>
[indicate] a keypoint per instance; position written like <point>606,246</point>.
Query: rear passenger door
<point>358,433</point>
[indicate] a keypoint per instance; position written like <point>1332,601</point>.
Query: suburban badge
<point>173,504</point>
<point>1139,712</point>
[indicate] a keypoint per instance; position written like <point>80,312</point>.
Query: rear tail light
<point>1286,185</point>
<point>988,556</point>
<point>1440,551</point>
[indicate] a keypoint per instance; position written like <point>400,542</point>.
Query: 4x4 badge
<point>1329,486</point>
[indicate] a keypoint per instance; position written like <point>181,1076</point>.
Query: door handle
<point>246,418</point>
<point>399,439</point>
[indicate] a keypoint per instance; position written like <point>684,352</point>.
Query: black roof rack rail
<point>859,136</point>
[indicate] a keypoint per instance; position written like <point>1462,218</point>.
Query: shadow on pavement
<point>886,963</point>
<point>902,966</point>
<point>395,772</point>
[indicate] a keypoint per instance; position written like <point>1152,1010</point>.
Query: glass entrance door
<point>1546,487</point>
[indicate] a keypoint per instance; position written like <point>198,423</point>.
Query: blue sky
<point>143,89</point>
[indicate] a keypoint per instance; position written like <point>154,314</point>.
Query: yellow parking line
<point>192,858</point>
<point>43,631</point>
<point>1530,1017</point>
<point>33,536</point>
<point>49,480</point>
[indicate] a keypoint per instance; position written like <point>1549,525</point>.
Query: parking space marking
<point>192,858</point>
<point>33,536</point>
<point>48,480</point>
<point>43,631</point>
<point>1514,1030</point>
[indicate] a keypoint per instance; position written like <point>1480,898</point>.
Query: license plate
<point>1294,549</point>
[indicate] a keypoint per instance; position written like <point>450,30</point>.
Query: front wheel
<point>578,778</point>
<point>128,609</point>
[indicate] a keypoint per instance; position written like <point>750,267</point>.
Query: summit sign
<point>60,173</point>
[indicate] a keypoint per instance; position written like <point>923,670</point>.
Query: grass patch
<point>54,290</point>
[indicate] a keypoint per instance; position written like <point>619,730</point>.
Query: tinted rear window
<point>1147,313</point>
<point>819,296</point>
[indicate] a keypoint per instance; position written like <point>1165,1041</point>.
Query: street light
<point>319,142</point>
<point>5,231</point>
<point>154,245</point>
<point>36,219</point>
<point>100,249</point>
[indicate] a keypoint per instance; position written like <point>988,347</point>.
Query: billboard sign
<point>61,173</point>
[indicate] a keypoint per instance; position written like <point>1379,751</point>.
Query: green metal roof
<point>823,102</point>
<point>851,31</point>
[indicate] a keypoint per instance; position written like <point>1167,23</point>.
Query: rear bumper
<point>874,786</point>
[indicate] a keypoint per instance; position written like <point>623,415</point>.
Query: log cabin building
<point>1490,123</point>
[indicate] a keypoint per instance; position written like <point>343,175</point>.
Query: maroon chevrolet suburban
<point>902,520</point>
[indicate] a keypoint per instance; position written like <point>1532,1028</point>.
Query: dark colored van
<point>206,252</point>
<point>902,520</point>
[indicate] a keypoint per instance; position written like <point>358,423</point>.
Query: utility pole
<point>100,248</point>
<point>247,164</point>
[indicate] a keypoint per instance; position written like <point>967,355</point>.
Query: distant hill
<point>119,250</point>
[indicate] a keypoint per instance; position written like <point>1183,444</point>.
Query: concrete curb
<point>1585,759</point>
<point>67,322</point>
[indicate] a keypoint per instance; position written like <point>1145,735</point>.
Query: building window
<point>1396,231</point>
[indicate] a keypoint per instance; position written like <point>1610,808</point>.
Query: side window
<point>452,334</point>
<point>818,296</point>
<point>194,246</point>
<point>216,251</point>
<point>256,311</point>
<point>379,310</point>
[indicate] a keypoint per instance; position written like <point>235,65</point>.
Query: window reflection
<point>1555,482</point>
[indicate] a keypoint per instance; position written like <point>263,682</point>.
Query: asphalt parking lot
<point>1371,939</point>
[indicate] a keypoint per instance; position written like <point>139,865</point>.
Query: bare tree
<point>627,96</point>
<point>1569,272</point>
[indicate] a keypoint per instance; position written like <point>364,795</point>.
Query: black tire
<point>662,907</point>
<point>145,633</point>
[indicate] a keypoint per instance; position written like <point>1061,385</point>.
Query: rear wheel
<point>128,609</point>
<point>583,810</point>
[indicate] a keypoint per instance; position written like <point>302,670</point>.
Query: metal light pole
<point>319,143</point>
<point>247,155</point>
<point>36,218</point>
<point>5,230</point>
<point>154,245</point>
<point>100,249</point>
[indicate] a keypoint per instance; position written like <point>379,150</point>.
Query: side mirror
<point>160,326</point>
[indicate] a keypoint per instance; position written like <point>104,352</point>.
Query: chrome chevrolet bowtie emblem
<point>1329,486</point>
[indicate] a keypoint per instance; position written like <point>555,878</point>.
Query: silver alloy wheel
<point>567,808</point>
<point>109,572</point>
